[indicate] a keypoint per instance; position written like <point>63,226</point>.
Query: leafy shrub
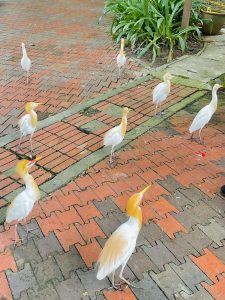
<point>149,25</point>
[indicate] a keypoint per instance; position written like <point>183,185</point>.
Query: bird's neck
<point>31,187</point>
<point>33,117</point>
<point>24,51</point>
<point>213,102</point>
<point>137,216</point>
<point>123,124</point>
<point>168,85</point>
<point>122,49</point>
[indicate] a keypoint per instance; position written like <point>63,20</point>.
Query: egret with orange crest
<point>24,202</point>
<point>121,244</point>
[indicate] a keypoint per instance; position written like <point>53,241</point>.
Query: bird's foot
<point>126,283</point>
<point>17,242</point>
<point>114,287</point>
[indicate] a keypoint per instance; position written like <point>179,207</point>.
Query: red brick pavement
<point>73,58</point>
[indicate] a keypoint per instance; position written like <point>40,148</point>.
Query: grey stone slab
<point>217,203</point>
<point>204,212</point>
<point>169,282</point>
<point>48,245</point>
<point>21,281</point>
<point>139,263</point>
<point>179,200</point>
<point>91,283</point>
<point>197,239</point>
<point>160,255</point>
<point>186,217</point>
<point>214,231</point>
<point>69,261</point>
<point>109,224</point>
<point>34,230</point>
<point>92,126</point>
<point>180,248</point>
<point>23,296</point>
<point>70,289</point>
<point>194,194</point>
<point>152,233</point>
<point>170,184</point>
<point>46,271</point>
<point>201,294</point>
<point>107,206</point>
<point>148,290</point>
<point>113,110</point>
<point>26,253</point>
<point>48,293</point>
<point>219,252</point>
<point>190,274</point>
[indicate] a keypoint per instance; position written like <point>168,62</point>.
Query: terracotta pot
<point>213,21</point>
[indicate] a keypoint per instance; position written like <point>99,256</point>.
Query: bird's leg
<point>31,145</point>
<point>16,240</point>
<point>19,146</point>
<point>119,72</point>
<point>29,230</point>
<point>27,77</point>
<point>201,140</point>
<point>111,156</point>
<point>123,279</point>
<point>113,286</point>
<point>156,109</point>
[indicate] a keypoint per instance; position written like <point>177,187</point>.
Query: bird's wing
<point>201,119</point>
<point>121,60</point>
<point>160,92</point>
<point>25,125</point>
<point>116,251</point>
<point>113,136</point>
<point>19,208</point>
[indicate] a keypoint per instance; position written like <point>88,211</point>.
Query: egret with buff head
<point>23,203</point>
<point>115,136</point>
<point>161,91</point>
<point>121,244</point>
<point>28,122</point>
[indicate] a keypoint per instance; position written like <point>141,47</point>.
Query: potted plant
<point>213,17</point>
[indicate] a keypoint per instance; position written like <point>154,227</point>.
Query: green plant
<point>149,25</point>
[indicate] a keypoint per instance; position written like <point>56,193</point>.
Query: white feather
<point>202,118</point>
<point>128,232</point>
<point>113,137</point>
<point>25,61</point>
<point>121,60</point>
<point>160,93</point>
<point>25,124</point>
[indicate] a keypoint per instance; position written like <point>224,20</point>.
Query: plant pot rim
<point>214,12</point>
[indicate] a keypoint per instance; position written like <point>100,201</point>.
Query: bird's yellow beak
<point>39,103</point>
<point>145,190</point>
<point>38,158</point>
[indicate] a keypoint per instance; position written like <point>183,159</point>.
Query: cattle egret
<point>25,61</point>
<point>28,122</point>
<point>121,59</point>
<point>161,91</point>
<point>205,114</point>
<point>115,136</point>
<point>121,244</point>
<point>23,203</point>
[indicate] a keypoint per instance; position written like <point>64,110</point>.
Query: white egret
<point>121,244</point>
<point>121,59</point>
<point>28,122</point>
<point>115,135</point>
<point>23,203</point>
<point>161,91</point>
<point>25,61</point>
<point>205,114</point>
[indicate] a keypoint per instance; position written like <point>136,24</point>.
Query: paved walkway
<point>180,251</point>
